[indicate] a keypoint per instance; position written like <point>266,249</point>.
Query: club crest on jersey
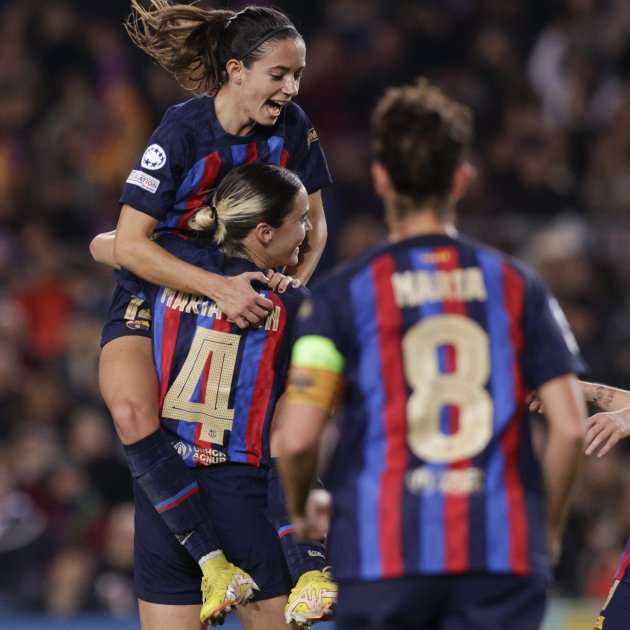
<point>154,157</point>
<point>138,324</point>
<point>311,137</point>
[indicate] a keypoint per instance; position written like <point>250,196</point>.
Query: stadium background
<point>549,81</point>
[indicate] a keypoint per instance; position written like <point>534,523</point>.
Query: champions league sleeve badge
<point>154,157</point>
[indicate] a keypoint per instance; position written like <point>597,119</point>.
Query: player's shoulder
<point>293,297</point>
<point>295,118</point>
<point>191,115</point>
<point>200,254</point>
<point>293,112</point>
<point>337,280</point>
<point>519,268</point>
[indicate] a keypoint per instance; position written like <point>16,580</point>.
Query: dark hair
<point>420,136</point>
<point>195,44</point>
<point>248,195</point>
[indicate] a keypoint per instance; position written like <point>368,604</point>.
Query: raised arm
<point>312,249</point>
<point>566,414</point>
<point>134,250</point>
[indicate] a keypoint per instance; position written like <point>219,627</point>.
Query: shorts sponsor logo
<point>209,456</point>
<point>138,178</point>
<point>154,157</point>
<point>203,456</point>
<point>138,324</point>
<point>315,554</point>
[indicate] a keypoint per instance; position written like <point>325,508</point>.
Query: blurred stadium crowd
<point>549,81</point>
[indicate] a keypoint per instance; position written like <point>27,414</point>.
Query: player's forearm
<point>299,426</point>
<point>148,260</point>
<point>297,472</point>
<point>561,464</point>
<point>566,416</point>
<point>102,249</point>
<point>605,397</point>
<point>315,243</point>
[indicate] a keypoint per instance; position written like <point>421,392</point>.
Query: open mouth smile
<point>275,107</point>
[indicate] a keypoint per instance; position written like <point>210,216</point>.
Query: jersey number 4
<point>220,350</point>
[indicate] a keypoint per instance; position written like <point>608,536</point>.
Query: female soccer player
<point>246,67</point>
<point>443,517</point>
<point>218,385</point>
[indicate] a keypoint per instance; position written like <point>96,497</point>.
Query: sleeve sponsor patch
<point>138,178</point>
<point>154,157</point>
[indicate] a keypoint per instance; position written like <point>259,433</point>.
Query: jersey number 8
<point>463,388</point>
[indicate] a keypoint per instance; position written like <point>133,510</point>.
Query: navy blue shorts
<point>128,315</point>
<point>475,601</point>
<point>616,612</point>
<point>235,496</point>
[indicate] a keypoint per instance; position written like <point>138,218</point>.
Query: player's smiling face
<point>284,246</point>
<point>272,81</point>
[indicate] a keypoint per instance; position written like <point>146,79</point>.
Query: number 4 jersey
<point>218,384</point>
<point>438,340</point>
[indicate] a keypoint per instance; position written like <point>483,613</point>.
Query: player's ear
<point>234,69</point>
<point>264,233</point>
<point>380,179</point>
<point>462,178</point>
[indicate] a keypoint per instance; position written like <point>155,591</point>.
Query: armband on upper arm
<point>316,375</point>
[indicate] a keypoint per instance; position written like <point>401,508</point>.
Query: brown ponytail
<point>195,44</point>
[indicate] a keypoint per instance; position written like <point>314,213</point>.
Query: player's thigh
<point>169,617</point>
<point>616,612</point>
<point>482,600</point>
<point>129,386</point>
<point>267,614</point>
<point>126,372</point>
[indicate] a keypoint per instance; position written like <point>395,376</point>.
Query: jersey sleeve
<point>550,349</point>
<point>306,156</point>
<point>152,184</point>
<point>317,364</point>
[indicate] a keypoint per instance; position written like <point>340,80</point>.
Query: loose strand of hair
<point>171,35</point>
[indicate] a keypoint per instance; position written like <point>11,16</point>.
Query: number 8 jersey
<point>437,340</point>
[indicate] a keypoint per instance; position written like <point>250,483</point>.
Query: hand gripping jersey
<point>438,340</point>
<point>189,154</point>
<point>218,384</point>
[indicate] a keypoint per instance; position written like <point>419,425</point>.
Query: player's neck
<point>231,116</point>
<point>411,224</point>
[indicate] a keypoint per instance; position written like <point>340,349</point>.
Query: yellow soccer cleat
<point>311,599</point>
<point>223,587</point>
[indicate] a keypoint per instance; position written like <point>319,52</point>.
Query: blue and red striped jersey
<point>434,471</point>
<point>189,154</point>
<point>218,384</point>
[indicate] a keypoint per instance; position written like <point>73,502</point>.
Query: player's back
<point>218,384</point>
<point>434,470</point>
